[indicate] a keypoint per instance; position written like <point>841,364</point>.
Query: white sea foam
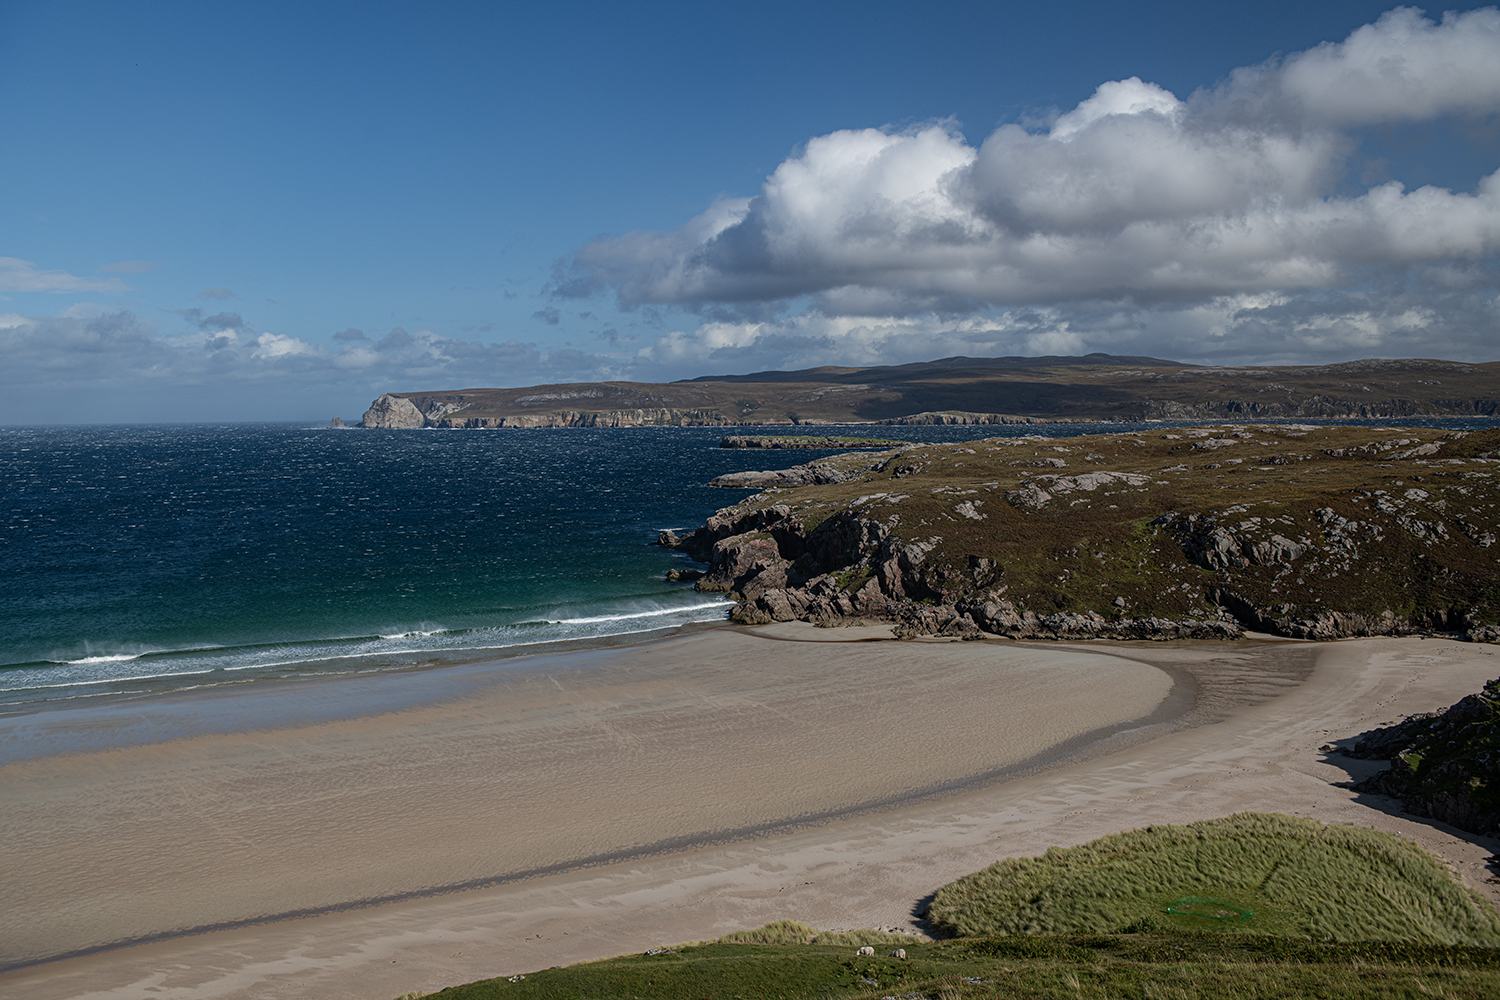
<point>211,665</point>
<point>112,658</point>
<point>656,613</point>
<point>109,680</point>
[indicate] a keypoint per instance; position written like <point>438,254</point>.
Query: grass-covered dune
<point>1252,905</point>
<point>1310,532</point>
<point>1251,873</point>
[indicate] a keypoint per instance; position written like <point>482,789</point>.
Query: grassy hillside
<point>1069,967</point>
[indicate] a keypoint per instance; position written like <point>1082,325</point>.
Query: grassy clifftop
<point>1305,531</point>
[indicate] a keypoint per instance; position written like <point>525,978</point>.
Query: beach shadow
<point>1358,770</point>
<point>921,916</point>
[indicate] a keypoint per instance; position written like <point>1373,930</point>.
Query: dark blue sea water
<point>140,559</point>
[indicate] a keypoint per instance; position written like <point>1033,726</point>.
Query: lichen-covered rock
<point>1213,545</point>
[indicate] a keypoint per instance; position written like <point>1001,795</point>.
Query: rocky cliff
<point>1200,532</point>
<point>393,412</point>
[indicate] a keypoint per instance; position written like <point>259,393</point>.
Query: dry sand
<point>717,732</point>
<point>555,762</point>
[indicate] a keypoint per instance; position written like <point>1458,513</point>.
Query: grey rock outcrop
<point>393,412</point>
<point>850,569</point>
<point>810,474</point>
<point>1442,765</point>
<point>1214,545</point>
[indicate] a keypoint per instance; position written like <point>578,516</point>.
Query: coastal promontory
<point>1204,532</point>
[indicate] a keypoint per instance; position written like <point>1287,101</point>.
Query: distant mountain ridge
<point>975,391</point>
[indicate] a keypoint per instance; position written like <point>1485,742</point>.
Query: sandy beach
<point>575,806</point>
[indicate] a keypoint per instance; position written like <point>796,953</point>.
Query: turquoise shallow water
<point>143,559</point>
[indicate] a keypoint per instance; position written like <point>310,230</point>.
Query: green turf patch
<point>1251,873</point>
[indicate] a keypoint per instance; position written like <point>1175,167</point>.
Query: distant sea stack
<point>1097,387</point>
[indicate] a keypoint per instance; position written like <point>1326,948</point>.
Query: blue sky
<point>278,211</point>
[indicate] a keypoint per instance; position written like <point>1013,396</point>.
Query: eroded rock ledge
<point>1316,533</point>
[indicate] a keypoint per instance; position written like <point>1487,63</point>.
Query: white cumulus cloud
<point>1137,198</point>
<point>279,345</point>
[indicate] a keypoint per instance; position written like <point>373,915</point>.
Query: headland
<point>959,390</point>
<point>1189,532</point>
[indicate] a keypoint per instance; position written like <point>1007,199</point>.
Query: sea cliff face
<point>402,412</point>
<point>1200,532</point>
<point>393,411</point>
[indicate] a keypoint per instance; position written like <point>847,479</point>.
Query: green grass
<point>1151,967</point>
<point>1300,878</point>
<point>795,932</point>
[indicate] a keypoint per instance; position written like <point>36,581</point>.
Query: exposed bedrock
<point>1443,765</point>
<point>810,474</point>
<point>850,569</point>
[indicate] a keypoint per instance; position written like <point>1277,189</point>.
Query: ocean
<point>142,559</point>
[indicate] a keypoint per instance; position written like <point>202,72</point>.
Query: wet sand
<point>535,766</point>
<point>1247,737</point>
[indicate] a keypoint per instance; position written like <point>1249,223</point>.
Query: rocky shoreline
<point>397,412</point>
<point>782,573</point>
<point>1322,542</point>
